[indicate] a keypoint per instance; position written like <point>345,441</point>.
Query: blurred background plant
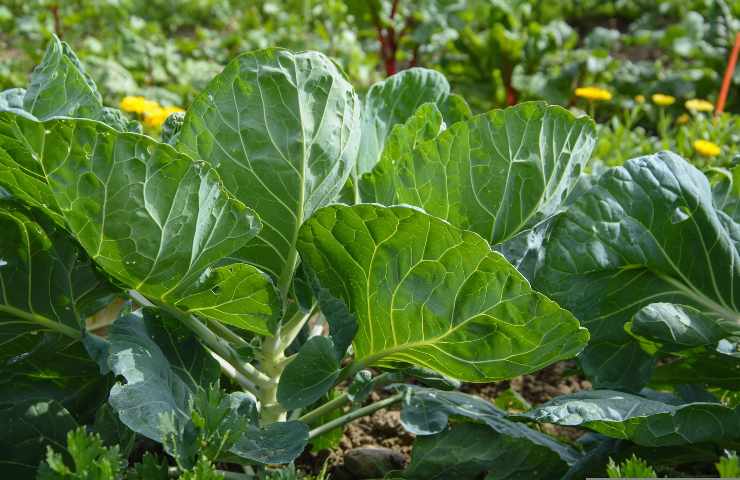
<point>494,53</point>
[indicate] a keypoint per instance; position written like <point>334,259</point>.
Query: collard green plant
<point>205,233</point>
<point>260,313</point>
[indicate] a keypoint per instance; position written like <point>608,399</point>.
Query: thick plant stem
<point>272,357</point>
<point>273,362</point>
<point>293,327</point>
<point>354,415</point>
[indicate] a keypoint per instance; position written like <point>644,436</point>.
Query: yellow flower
<point>640,98</point>
<point>699,105</point>
<point>706,148</point>
<point>663,100</point>
<point>593,93</point>
<point>155,118</point>
<point>682,119</point>
<point>137,104</point>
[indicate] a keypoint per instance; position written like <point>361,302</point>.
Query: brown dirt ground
<point>383,428</point>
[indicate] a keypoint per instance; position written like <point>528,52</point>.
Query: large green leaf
<point>468,450</point>
<point>495,174</point>
<point>28,429</point>
<point>391,102</point>
<point>279,442</point>
<point>163,366</point>
<point>283,130</point>
<point>60,88</point>
<point>427,293</point>
<point>48,286</point>
<point>646,232</point>
<point>680,326</point>
<point>151,217</point>
<point>428,411</point>
<point>644,421</point>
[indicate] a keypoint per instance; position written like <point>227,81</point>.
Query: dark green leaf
<point>163,365</point>
<point>680,326</point>
<point>646,232</point>
<point>310,375</point>
<point>430,378</point>
<point>514,451</point>
<point>279,442</point>
<point>468,450</point>
<point>49,286</point>
<point>711,369</point>
<point>427,293</point>
<point>112,431</point>
<point>28,428</point>
<point>600,450</point>
<point>644,421</point>
<point>342,322</point>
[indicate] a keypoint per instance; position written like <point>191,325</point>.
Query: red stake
<point>728,76</point>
